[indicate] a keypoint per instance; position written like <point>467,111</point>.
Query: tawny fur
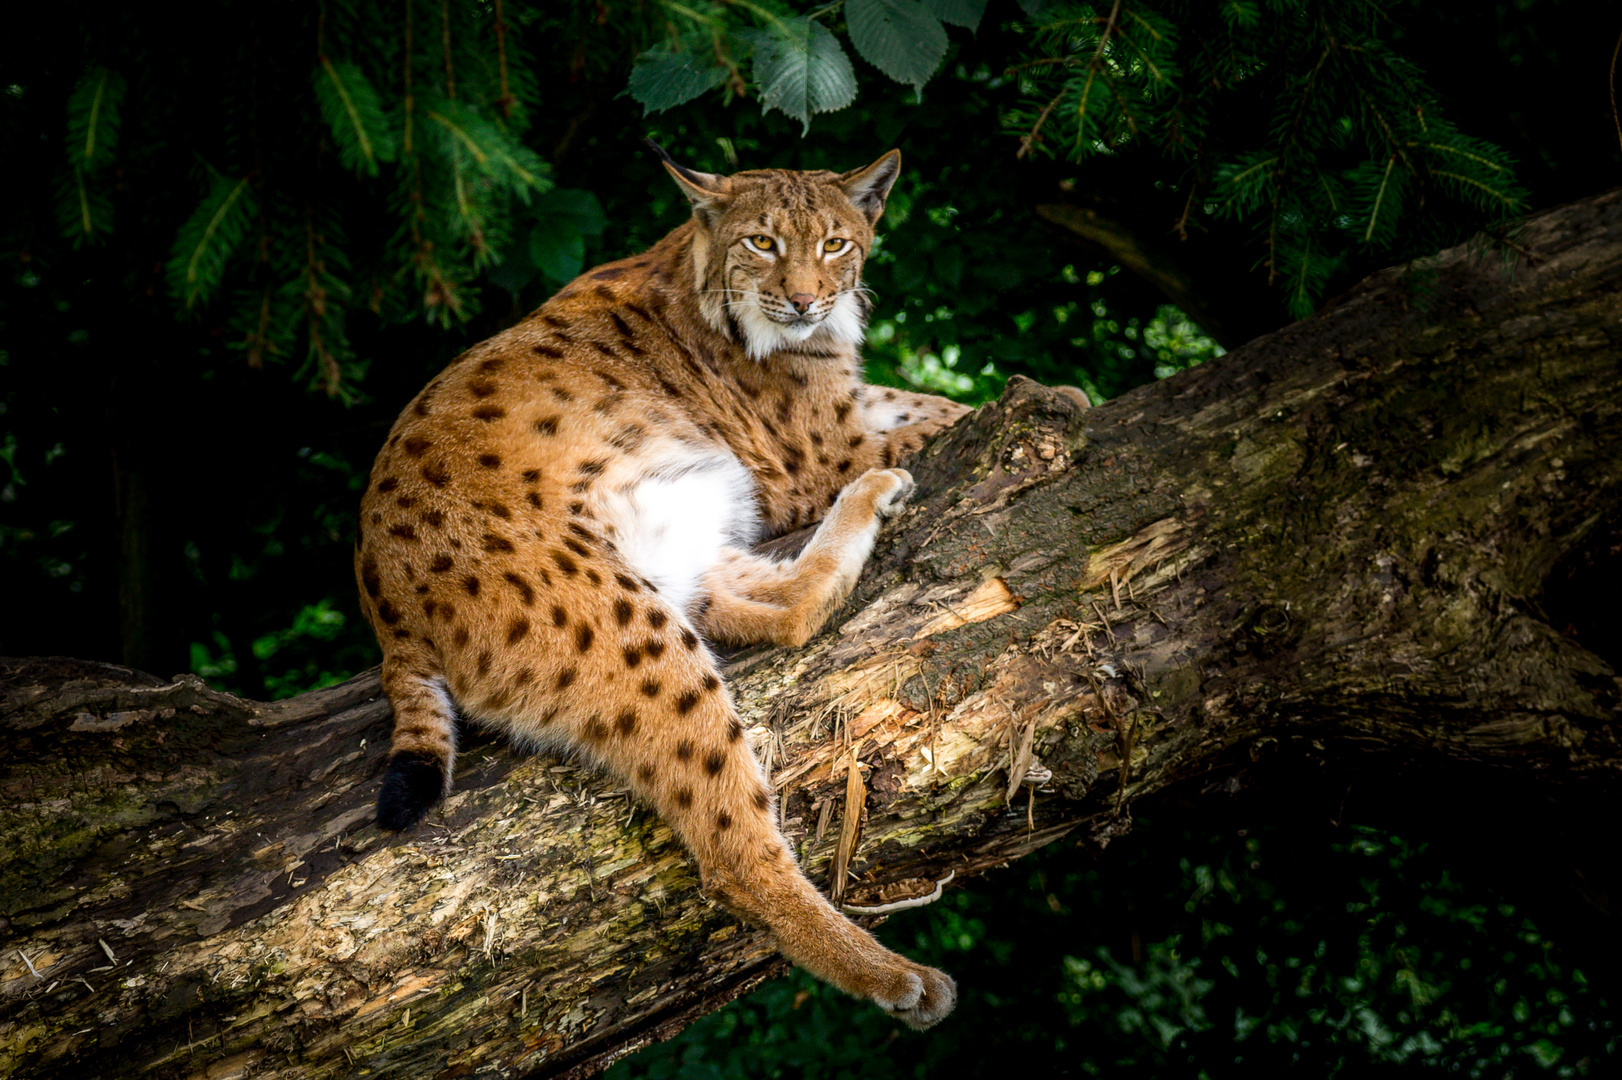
<point>563,517</point>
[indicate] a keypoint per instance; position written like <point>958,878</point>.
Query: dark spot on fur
<point>608,273</point>
<point>460,638</point>
<point>711,683</point>
<point>566,564</point>
<point>657,618</point>
<point>627,583</point>
<point>644,773</point>
<point>684,750</point>
<point>416,445</point>
<point>482,389</point>
<point>369,578</point>
<point>650,687</point>
<point>488,413</point>
<point>493,543</point>
<point>763,802</point>
<point>484,662</point>
<point>688,638</point>
<point>436,474</point>
<point>583,636</point>
<point>633,656</point>
<point>684,798</point>
<point>547,425</point>
<point>565,677</point>
<point>387,612</point>
<point>625,723</point>
<point>561,394</point>
<point>404,532</point>
<point>623,611</point>
<point>387,484</point>
<point>490,461</point>
<point>723,821</point>
<point>532,476</point>
<point>471,584</point>
<point>435,518</point>
<point>534,500</point>
<point>713,762</point>
<point>516,630</point>
<point>734,729</point>
<point>549,352</point>
<point>841,411</point>
<point>687,702</point>
<point>526,591</point>
<point>560,618</point>
<point>577,547</point>
<point>844,466</point>
<point>655,648</point>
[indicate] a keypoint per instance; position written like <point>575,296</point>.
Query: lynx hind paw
<point>413,784</point>
<point>924,998</point>
<point>891,502</point>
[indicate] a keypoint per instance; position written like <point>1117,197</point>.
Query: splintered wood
<point>850,827</point>
<point>990,599</point>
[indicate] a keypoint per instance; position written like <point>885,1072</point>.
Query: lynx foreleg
<point>750,599</point>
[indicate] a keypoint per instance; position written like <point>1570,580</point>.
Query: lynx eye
<point>835,246</point>
<point>763,243</point>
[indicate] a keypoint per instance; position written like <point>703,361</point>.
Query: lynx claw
<point>891,503</point>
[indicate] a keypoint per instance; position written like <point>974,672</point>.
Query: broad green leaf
<point>93,118</point>
<point>663,79</point>
<point>354,114</point>
<point>803,72</point>
<point>205,242</point>
<point>898,37</point>
<point>579,208</point>
<point>965,13</point>
<point>558,248</point>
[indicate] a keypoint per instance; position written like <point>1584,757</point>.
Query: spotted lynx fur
<point>563,519</point>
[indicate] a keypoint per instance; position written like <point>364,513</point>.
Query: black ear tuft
<point>681,171</point>
<point>413,784</point>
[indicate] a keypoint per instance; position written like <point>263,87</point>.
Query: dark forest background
<point>238,237</point>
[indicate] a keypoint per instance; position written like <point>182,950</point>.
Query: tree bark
<point>1382,534</point>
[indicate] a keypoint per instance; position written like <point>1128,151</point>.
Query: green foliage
<point>802,70</point>
<point>94,110</point>
<point>898,37</point>
<point>557,243</point>
<point>667,76</point>
<point>354,115</point>
<point>1273,951</point>
<point>208,238</point>
<point>1299,119</point>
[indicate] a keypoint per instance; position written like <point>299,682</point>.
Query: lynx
<point>562,521</point>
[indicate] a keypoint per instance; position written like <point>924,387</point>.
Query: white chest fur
<point>670,521</point>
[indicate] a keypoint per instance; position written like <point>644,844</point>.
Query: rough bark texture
<point>1385,531</point>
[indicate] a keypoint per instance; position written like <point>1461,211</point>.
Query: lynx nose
<point>801,301</point>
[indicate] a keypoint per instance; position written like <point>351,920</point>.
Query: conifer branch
<point>1379,197</point>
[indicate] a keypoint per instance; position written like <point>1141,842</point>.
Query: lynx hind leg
<point>752,599</point>
<point>685,752</point>
<point>423,750</point>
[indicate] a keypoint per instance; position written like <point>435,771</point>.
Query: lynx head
<point>778,254</point>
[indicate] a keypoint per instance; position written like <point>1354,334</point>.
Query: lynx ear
<point>706,191</point>
<point>868,188</point>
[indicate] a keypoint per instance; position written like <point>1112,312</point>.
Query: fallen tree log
<point>1385,531</point>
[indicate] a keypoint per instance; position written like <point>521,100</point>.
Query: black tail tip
<point>413,784</point>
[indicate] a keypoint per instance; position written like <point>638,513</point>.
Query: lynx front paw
<point>921,997</point>
<point>890,501</point>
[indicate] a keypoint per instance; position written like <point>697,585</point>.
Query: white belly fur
<point>670,521</point>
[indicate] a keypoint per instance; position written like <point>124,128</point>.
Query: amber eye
<point>835,246</point>
<point>762,243</point>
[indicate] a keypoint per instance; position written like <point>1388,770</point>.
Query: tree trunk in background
<point>1381,535</point>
